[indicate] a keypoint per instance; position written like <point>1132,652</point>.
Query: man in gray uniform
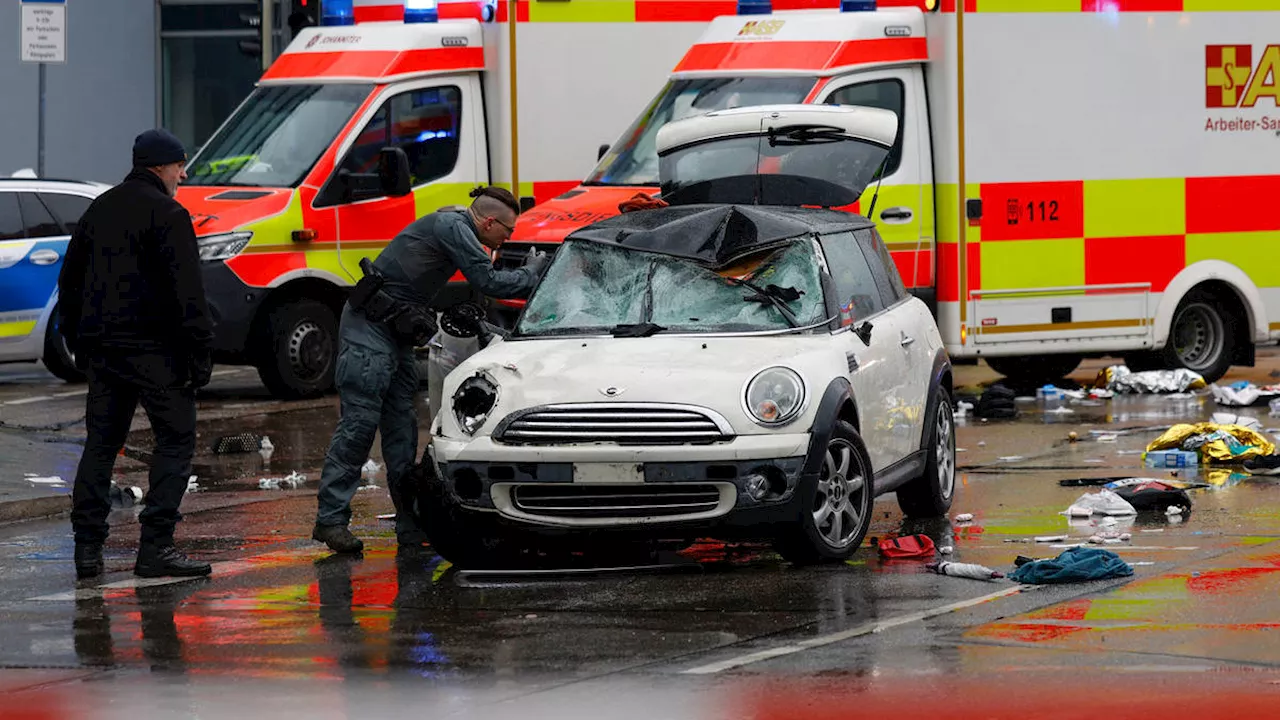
<point>382,322</point>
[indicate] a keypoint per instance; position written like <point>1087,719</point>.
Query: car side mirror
<point>601,152</point>
<point>864,333</point>
<point>527,203</point>
<point>391,180</point>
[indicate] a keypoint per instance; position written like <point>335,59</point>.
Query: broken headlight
<point>474,399</point>
<point>775,396</point>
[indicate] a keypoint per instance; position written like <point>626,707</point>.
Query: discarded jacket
<point>908,546</point>
<point>1077,564</point>
<point>1215,443</point>
<point>1121,379</point>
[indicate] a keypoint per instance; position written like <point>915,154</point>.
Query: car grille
<point>616,501</point>
<point>614,423</point>
<point>513,254</point>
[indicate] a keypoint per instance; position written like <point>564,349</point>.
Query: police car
<point>37,217</point>
<point>742,363</point>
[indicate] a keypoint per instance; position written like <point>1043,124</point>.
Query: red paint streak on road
<point>1028,632</point>
<point>1220,581</point>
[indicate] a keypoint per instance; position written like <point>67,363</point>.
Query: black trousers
<point>117,383</point>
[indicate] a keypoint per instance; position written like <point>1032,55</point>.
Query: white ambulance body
<point>1120,167</point>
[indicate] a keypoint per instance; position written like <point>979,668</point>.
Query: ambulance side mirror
<point>391,179</point>
<point>600,152</point>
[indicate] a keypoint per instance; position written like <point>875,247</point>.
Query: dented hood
<point>224,209</point>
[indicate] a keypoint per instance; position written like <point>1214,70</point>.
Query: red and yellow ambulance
<point>1071,178</point>
<point>296,186</point>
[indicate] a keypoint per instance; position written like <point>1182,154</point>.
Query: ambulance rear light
<point>755,7</point>
<point>857,5</point>
<point>338,12</point>
<point>421,11</point>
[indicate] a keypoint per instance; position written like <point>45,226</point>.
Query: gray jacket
<point>420,260</point>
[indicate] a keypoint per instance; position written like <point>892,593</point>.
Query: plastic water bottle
<point>1050,397</point>
<point>967,570</point>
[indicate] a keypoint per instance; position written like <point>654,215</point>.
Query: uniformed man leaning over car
<point>386,317</point>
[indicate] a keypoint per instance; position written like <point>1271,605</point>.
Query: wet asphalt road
<point>283,629</point>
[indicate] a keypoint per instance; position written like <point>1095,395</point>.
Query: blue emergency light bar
<point>857,5</point>
<point>421,11</point>
<point>755,7</point>
<point>338,12</point>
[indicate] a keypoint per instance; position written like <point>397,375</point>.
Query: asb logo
<point>761,28</point>
<point>1233,81</point>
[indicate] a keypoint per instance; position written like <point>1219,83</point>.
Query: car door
<point>904,209</point>
<point>874,363</point>
<point>914,356</point>
<point>433,122</point>
<point>32,244</point>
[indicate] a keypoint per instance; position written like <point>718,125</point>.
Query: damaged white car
<point>744,363</point>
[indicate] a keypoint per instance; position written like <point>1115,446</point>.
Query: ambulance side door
<point>433,121</point>
<point>904,211</point>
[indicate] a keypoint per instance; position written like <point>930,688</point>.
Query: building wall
<point>96,103</point>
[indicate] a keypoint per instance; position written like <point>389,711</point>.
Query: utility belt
<point>409,323</point>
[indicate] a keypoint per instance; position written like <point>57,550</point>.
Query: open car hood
<point>795,155</point>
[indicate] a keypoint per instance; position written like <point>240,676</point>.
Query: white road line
<point>232,371</point>
<point>867,629</point>
<point>29,400</point>
<point>71,393</point>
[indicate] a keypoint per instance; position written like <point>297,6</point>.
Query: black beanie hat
<point>157,147</point>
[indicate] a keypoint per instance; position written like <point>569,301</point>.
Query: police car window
<point>37,218</point>
<point>883,267</point>
<point>10,219</point>
<point>857,294</point>
<point>883,94</point>
<point>66,208</point>
<point>424,123</point>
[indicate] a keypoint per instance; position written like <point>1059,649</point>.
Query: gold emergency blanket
<point>1214,442</point>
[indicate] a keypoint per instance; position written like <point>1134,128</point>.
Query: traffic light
<point>252,19</point>
<point>302,14</point>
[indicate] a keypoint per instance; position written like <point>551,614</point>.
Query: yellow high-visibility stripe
<point>1135,208</point>
<point>1229,5</point>
<point>17,329</point>
<point>1026,264</point>
<point>988,6</point>
<point>1246,251</point>
<point>583,11</point>
<point>948,212</point>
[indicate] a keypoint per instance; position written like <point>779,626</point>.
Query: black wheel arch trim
<point>937,379</point>
<point>838,392</point>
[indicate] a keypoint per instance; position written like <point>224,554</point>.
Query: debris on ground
<point>907,547</point>
<point>241,443</point>
<point>1212,442</point>
<point>997,403</point>
<point>1146,494</point>
<point>1077,564</point>
<point>1120,379</point>
<point>370,468</point>
<point>1244,394</point>
<point>964,517</point>
<point>53,480</point>
<point>292,481</point>
<point>192,485</point>
<point>1103,502</point>
<point>124,496</point>
<point>265,448</point>
<point>966,570</point>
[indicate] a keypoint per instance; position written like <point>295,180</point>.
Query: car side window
<point>10,218</point>
<point>37,218</point>
<point>425,123</point>
<point>883,267</point>
<point>857,293</point>
<point>66,208</point>
<point>882,94</point>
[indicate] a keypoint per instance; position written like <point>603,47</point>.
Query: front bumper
<point>232,306</point>
<point>694,488</point>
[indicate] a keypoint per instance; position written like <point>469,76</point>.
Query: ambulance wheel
<point>1035,369</point>
<point>1202,338</point>
<point>58,357</point>
<point>301,339</point>
<point>835,512</point>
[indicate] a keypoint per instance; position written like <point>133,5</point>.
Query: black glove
<point>199,370</point>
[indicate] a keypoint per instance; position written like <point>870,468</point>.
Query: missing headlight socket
<point>474,399</point>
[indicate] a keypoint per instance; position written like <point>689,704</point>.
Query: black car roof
<point>716,235</point>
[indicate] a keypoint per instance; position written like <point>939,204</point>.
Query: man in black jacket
<point>132,305</point>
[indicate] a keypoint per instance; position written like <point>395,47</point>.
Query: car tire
<point>1201,336</point>
<point>845,490</point>
<point>301,340</point>
<point>931,494</point>
<point>465,538</point>
<point>57,357</point>
<point>1035,369</point>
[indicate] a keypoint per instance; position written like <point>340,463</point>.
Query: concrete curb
<point>34,508</point>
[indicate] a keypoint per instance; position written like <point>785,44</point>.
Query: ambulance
<point>385,112</point>
<point>1072,178</point>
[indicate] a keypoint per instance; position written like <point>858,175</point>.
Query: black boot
<point>88,560</point>
<point>338,538</point>
<point>167,561</point>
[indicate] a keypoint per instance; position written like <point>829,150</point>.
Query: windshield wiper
<point>774,295</point>
<point>644,329</point>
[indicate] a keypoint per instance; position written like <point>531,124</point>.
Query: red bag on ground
<point>908,547</point>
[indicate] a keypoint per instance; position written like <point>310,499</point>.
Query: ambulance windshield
<point>276,136</point>
<point>634,159</point>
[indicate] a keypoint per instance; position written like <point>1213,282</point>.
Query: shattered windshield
<point>634,159</point>
<point>593,288</point>
<point>275,138</point>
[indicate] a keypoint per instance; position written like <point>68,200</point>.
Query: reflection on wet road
<point>284,629</point>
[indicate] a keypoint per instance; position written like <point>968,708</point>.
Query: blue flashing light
<point>338,12</point>
<point>755,7</point>
<point>857,5</point>
<point>421,11</point>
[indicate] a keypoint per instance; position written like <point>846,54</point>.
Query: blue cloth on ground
<point>1076,564</point>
